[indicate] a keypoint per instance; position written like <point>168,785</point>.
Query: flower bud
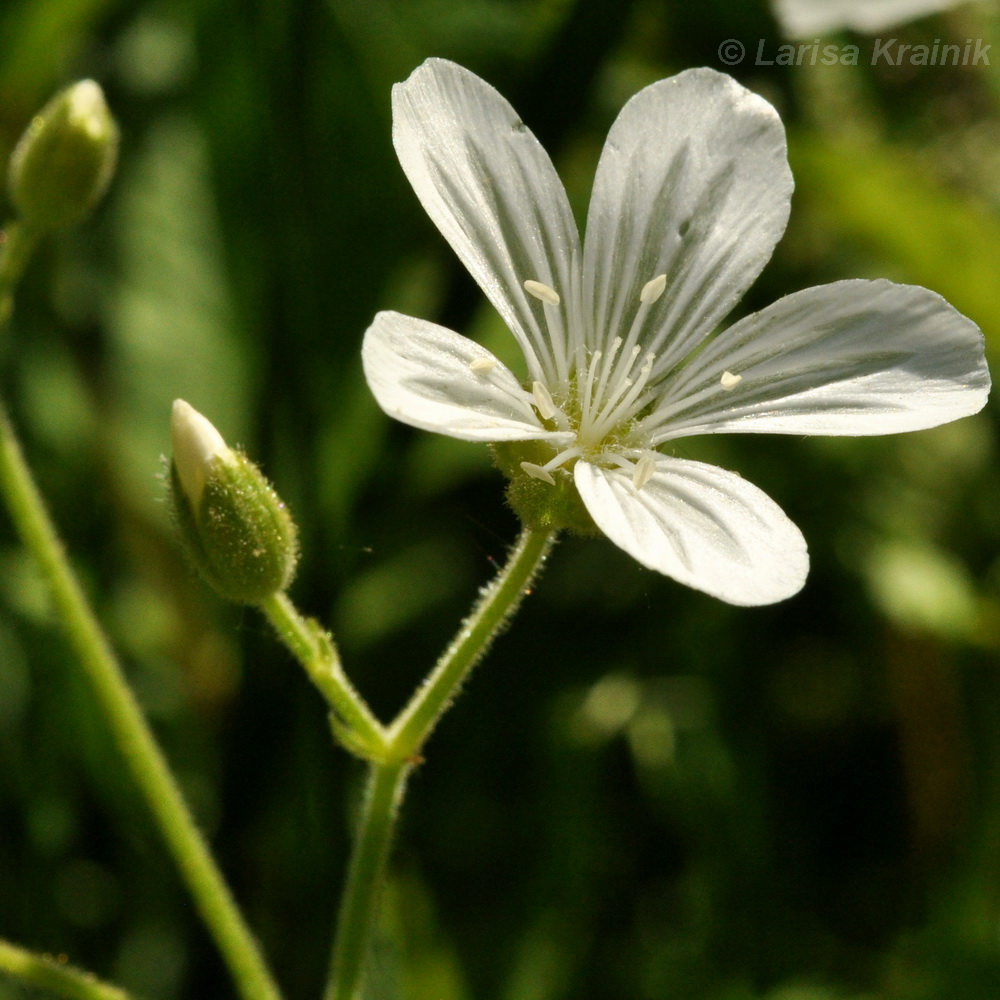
<point>236,529</point>
<point>64,161</point>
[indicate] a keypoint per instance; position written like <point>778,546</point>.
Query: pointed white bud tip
<point>196,443</point>
<point>538,472</point>
<point>543,401</point>
<point>543,292</point>
<point>652,290</point>
<point>482,366</point>
<point>729,381</point>
<point>87,108</point>
<point>644,470</point>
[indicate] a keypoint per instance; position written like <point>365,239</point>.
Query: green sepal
<point>540,505</point>
<point>241,538</point>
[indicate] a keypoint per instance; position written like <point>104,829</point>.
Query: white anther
<point>541,291</point>
<point>537,472</point>
<point>543,401</point>
<point>652,290</point>
<point>729,381</point>
<point>480,366</point>
<point>644,470</point>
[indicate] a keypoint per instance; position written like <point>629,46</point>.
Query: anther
<point>729,381</point>
<point>480,366</point>
<point>537,472</point>
<point>652,290</point>
<point>644,470</point>
<point>543,401</point>
<point>541,291</point>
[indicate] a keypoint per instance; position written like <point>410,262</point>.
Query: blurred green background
<point>643,793</point>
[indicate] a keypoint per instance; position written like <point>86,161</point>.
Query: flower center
<point>606,390</point>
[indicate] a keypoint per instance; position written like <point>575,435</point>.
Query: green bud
<point>542,506</point>
<point>236,529</point>
<point>64,161</point>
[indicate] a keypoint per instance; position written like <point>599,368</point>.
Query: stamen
<point>644,470</point>
<point>537,472</point>
<point>543,292</point>
<point>588,387</point>
<point>480,366</point>
<point>650,293</point>
<point>624,383</point>
<point>561,459</point>
<point>543,401</point>
<point>622,404</point>
<point>615,459</point>
<point>606,370</point>
<point>652,290</point>
<point>729,381</point>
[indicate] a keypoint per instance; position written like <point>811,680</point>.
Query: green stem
<point>403,742</point>
<point>355,724</point>
<point>129,728</point>
<point>19,241</point>
<point>365,877</point>
<point>54,976</point>
<point>497,604</point>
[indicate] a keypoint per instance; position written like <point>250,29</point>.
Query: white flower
<point>692,193</point>
<point>804,18</point>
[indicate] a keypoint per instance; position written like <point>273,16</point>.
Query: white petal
<point>703,526</point>
<point>492,191</point>
<point>805,18</point>
<point>852,357</point>
<point>196,444</point>
<point>428,377</point>
<point>693,183</point>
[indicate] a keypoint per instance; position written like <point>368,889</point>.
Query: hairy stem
<point>404,740</point>
<point>496,605</point>
<point>54,976</point>
<point>365,878</point>
<point>354,723</point>
<point>129,728</point>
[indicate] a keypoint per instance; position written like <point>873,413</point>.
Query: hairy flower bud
<point>63,163</point>
<point>237,530</point>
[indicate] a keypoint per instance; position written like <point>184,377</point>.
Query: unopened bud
<point>237,530</point>
<point>64,161</point>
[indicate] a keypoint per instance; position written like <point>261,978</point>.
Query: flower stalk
<point>54,976</point>
<point>404,740</point>
<point>352,721</point>
<point>358,915</point>
<point>19,240</point>
<point>498,603</point>
<point>60,169</point>
<point>129,728</point>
